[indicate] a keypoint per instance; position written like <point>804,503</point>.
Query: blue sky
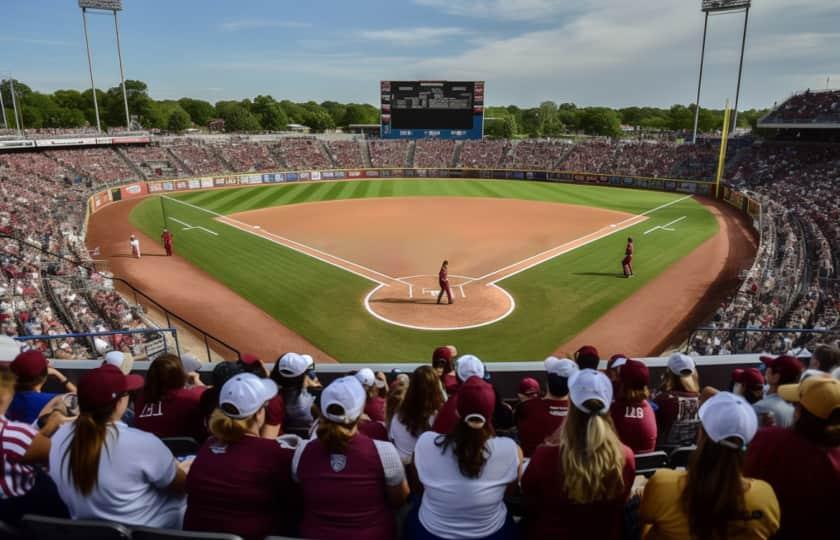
<point>591,52</point>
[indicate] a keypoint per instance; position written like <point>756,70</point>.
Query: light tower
<point>113,6</point>
<point>721,7</point>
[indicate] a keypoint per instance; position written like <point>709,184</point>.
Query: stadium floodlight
<point>720,7</point>
<point>113,6</point>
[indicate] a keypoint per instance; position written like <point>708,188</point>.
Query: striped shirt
<point>15,439</point>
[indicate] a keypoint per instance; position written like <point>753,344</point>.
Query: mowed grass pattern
<point>555,300</point>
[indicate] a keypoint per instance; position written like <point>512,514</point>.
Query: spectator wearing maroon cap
<point>773,410</point>
<point>577,486</point>
<point>275,412</point>
<point>466,367</point>
<point>677,402</point>
<point>713,498</point>
<point>291,373</point>
<point>235,459</point>
<point>416,413</point>
<point>442,363</point>
<point>748,383</point>
<point>631,413</point>
<point>466,473</point>
<point>536,419</point>
<point>802,464</point>
<point>24,488</point>
<point>32,371</point>
<point>166,407</point>
<point>529,388</point>
<point>106,470</point>
<point>587,357</point>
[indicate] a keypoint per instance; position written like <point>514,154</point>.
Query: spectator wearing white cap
<point>275,412</point>
<point>236,460</point>
<point>350,483</point>
<point>416,413</point>
<point>677,402</point>
<point>374,385</point>
<point>290,372</point>
<point>467,366</point>
<point>713,498</point>
<point>166,407</point>
<point>536,419</point>
<point>577,486</point>
<point>466,473</point>
<point>802,463</point>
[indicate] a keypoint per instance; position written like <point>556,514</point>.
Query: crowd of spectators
<point>155,161</point>
<point>809,107</point>
<point>302,153</point>
<point>345,153</point>
<point>243,156</point>
<point>485,153</point>
<point>102,165</point>
<point>434,153</point>
<point>579,453</point>
<point>388,153</point>
<point>198,158</point>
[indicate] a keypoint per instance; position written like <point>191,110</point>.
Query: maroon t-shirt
<point>635,425</point>
<point>344,494</point>
<point>375,409</point>
<point>243,488</point>
<point>178,414</point>
<point>447,418</point>
<point>375,430</point>
<point>275,411</point>
<point>536,419</point>
<point>450,383</point>
<point>550,514</point>
<point>805,477</point>
<point>677,418</point>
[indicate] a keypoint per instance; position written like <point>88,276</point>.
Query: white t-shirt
<point>134,470</point>
<point>455,506</point>
<point>403,440</point>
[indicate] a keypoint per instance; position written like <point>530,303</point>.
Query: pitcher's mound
<point>412,303</point>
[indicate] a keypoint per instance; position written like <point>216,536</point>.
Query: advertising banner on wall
<point>194,183</point>
<point>315,175</point>
<point>206,183</point>
<point>137,189</point>
<point>100,199</point>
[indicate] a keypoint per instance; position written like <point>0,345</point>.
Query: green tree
<point>179,121</point>
<point>238,118</point>
<point>319,120</point>
<point>269,113</point>
<point>680,117</point>
<point>600,121</point>
<point>200,111</point>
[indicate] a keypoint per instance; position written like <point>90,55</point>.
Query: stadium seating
<point>48,528</point>
<point>809,107</point>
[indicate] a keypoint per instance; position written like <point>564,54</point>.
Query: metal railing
<point>152,348</point>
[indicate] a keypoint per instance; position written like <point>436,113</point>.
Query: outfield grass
<point>555,300</point>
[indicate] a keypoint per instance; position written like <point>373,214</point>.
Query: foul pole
<point>722,157</point>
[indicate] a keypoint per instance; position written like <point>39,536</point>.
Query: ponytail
<point>229,430</point>
<point>335,437</point>
<point>468,445</point>
<point>89,438</point>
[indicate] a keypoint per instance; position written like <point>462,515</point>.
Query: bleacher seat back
<point>181,446</point>
<point>7,532</point>
<point>647,463</point>
<point>679,457</point>
<point>149,533</point>
<point>50,528</point>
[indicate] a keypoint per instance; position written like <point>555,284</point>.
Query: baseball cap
<point>249,359</point>
<point>749,377</point>
<point>442,357</point>
<point>476,401</point>
<point>562,367</point>
<point>29,364</point>
<point>726,415</point>
<point>343,400</point>
<point>634,374</point>
<point>366,377</point>
<point>681,364</point>
<point>787,367</point>
<point>588,384</point>
<point>292,365</point>
<point>819,396</point>
<point>587,351</point>
<point>190,363</point>
<point>616,361</point>
<point>529,387</point>
<point>469,366</point>
<point>245,394</point>
<point>104,385</point>
<point>119,360</point>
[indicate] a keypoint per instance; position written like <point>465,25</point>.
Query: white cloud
<point>409,37</point>
<point>255,24</point>
<point>508,10</point>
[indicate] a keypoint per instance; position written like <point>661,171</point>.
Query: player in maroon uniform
<point>167,237</point>
<point>627,261</point>
<point>443,282</point>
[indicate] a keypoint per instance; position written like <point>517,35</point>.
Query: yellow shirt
<point>662,514</point>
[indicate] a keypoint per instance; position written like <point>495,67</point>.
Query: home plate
<point>612,225</point>
<point>256,226</point>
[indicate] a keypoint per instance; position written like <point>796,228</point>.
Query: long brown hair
<point>423,399</point>
<point>713,497</point>
<point>165,374</point>
<point>334,436</point>
<point>468,446</point>
<point>85,449</point>
<point>591,456</point>
<point>633,396</point>
<point>230,430</point>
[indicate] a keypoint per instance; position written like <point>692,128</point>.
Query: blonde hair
<point>230,430</point>
<point>7,380</point>
<point>591,456</point>
<point>334,436</point>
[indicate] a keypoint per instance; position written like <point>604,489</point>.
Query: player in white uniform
<point>135,246</point>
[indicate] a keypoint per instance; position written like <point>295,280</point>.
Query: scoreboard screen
<point>446,109</point>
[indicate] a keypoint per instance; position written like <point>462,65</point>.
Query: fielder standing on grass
<point>627,261</point>
<point>443,282</point>
<point>166,237</point>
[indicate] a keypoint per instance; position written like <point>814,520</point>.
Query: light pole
<point>3,106</point>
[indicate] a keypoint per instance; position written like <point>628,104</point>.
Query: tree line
<point>74,109</point>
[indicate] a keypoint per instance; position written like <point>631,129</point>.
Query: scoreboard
<point>432,109</point>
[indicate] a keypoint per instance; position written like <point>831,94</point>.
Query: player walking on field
<point>627,261</point>
<point>134,243</point>
<point>166,237</point>
<point>443,282</point>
